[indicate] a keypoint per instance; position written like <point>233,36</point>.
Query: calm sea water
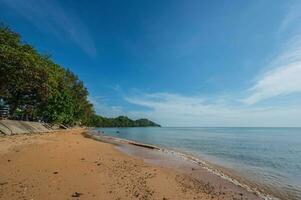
<point>269,157</point>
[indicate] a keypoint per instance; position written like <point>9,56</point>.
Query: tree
<point>35,87</point>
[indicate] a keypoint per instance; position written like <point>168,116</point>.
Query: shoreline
<point>68,165</point>
<point>210,167</point>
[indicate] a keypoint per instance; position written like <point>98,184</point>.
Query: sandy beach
<point>67,165</point>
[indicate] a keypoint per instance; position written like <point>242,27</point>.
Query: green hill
<point>121,121</point>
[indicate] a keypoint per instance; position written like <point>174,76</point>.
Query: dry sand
<point>66,165</point>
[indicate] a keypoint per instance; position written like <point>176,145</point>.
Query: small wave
<point>205,165</point>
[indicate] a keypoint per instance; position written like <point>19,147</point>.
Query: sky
<point>179,63</point>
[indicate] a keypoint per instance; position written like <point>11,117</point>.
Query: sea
<point>267,157</point>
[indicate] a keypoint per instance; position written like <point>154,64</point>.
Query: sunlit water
<point>269,157</point>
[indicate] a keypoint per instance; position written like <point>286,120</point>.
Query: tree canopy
<point>36,88</point>
<point>121,121</point>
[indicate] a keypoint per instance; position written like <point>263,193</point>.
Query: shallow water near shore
<point>267,157</point>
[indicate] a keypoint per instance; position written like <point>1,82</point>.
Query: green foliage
<point>121,121</point>
<point>145,123</point>
<point>35,88</point>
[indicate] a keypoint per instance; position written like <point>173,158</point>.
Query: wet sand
<point>67,165</point>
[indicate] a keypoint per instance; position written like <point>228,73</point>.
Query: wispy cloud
<point>283,79</point>
<point>283,76</point>
<point>293,14</point>
<point>50,16</point>
<point>177,110</point>
<point>102,108</point>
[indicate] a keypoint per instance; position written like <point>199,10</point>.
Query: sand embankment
<point>66,165</point>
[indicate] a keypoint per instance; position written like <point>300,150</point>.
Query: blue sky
<point>180,63</point>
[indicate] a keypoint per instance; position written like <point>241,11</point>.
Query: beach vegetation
<point>35,88</point>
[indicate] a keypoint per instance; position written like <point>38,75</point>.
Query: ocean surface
<point>268,157</point>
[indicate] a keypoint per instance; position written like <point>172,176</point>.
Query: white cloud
<point>177,110</point>
<point>283,78</point>
<point>103,109</point>
<point>293,15</point>
<point>282,81</point>
<point>49,16</point>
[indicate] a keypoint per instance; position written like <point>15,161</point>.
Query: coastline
<point>214,169</point>
<point>67,165</point>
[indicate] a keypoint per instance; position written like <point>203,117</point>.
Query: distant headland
<point>122,121</point>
